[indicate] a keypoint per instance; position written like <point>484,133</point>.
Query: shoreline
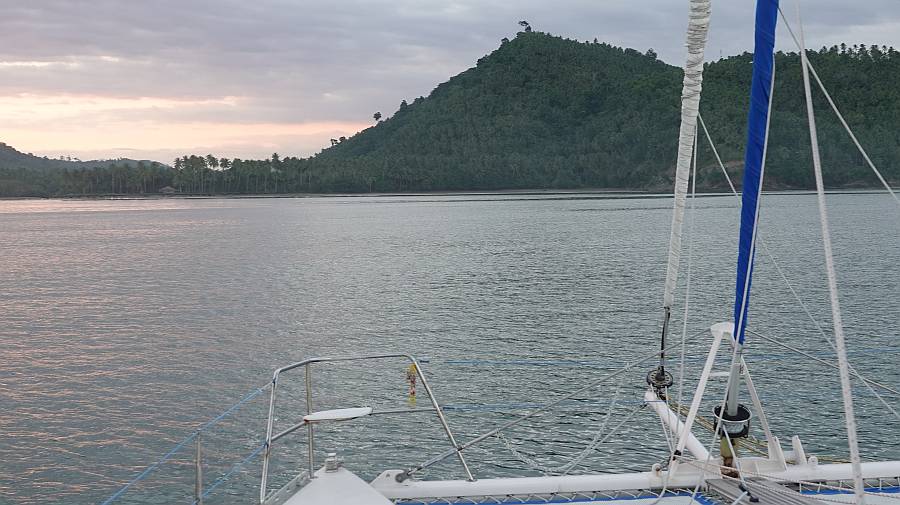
<point>559,193</point>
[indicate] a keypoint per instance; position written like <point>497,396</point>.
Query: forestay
<point>698,29</point>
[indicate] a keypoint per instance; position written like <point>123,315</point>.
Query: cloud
<point>169,64</point>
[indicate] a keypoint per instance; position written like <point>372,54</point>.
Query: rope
<point>846,392</point>
<point>751,443</point>
<point>687,287</point>
<point>772,478</point>
<point>670,444</point>
<point>688,359</point>
<point>837,112</point>
<point>147,471</point>
<point>794,293</point>
<point>231,471</point>
<point>712,443</point>
<point>687,298</point>
<point>233,408</point>
<point>564,469</point>
<point>510,424</point>
<point>567,467</point>
<point>736,351</point>
<point>866,381</point>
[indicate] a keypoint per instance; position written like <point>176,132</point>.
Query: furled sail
<point>698,28</point>
<point>754,157</point>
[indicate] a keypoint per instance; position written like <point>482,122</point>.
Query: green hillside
<point>546,112</point>
<point>538,112</point>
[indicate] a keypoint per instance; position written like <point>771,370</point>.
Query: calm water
<point>124,325</point>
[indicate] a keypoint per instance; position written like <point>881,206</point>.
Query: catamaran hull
<point>387,485</point>
<point>342,485</point>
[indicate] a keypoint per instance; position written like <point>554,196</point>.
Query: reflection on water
<point>126,324</point>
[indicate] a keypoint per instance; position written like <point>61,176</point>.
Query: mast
<point>754,170</point>
<point>698,28</point>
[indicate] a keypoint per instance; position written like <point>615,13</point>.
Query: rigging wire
<point>696,37</point>
<point>687,297</point>
<point>738,324</point>
<point>545,407</point>
<point>837,324</point>
<point>564,468</point>
<point>868,383</point>
<point>687,287</point>
<point>773,478</point>
<point>712,443</point>
<point>834,107</point>
<point>793,291</point>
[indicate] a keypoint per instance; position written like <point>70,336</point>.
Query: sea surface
<point>125,325</point>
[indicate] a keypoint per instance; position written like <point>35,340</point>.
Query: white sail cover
<point>698,28</point>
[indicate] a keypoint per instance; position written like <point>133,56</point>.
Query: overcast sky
<point>160,78</point>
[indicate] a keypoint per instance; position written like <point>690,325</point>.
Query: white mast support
<point>846,392</point>
<point>772,444</point>
<point>698,28</point>
<point>685,434</point>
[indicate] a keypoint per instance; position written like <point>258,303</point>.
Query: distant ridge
<point>24,174</point>
<point>544,112</point>
<point>11,158</point>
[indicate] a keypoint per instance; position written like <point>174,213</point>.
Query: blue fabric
<point>760,94</point>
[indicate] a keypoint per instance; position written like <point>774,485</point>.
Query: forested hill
<point>538,112</point>
<point>546,112</point>
<point>543,111</point>
<point>24,174</point>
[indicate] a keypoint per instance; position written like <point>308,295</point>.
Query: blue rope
<point>230,472</point>
<point>250,396</point>
<point>520,406</point>
<point>149,469</point>
<point>141,476</point>
<point>583,363</point>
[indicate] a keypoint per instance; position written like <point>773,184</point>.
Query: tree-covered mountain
<point>546,112</point>
<point>543,111</point>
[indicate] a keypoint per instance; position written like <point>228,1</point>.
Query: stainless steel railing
<point>307,366</point>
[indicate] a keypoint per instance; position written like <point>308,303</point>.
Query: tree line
<point>547,112</point>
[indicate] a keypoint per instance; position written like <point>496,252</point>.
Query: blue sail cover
<point>757,124</point>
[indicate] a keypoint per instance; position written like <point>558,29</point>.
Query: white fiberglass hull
<point>685,477</point>
<point>632,488</point>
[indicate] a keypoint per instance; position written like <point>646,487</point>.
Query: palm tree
<point>213,163</point>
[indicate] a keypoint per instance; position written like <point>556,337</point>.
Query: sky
<point>156,79</point>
